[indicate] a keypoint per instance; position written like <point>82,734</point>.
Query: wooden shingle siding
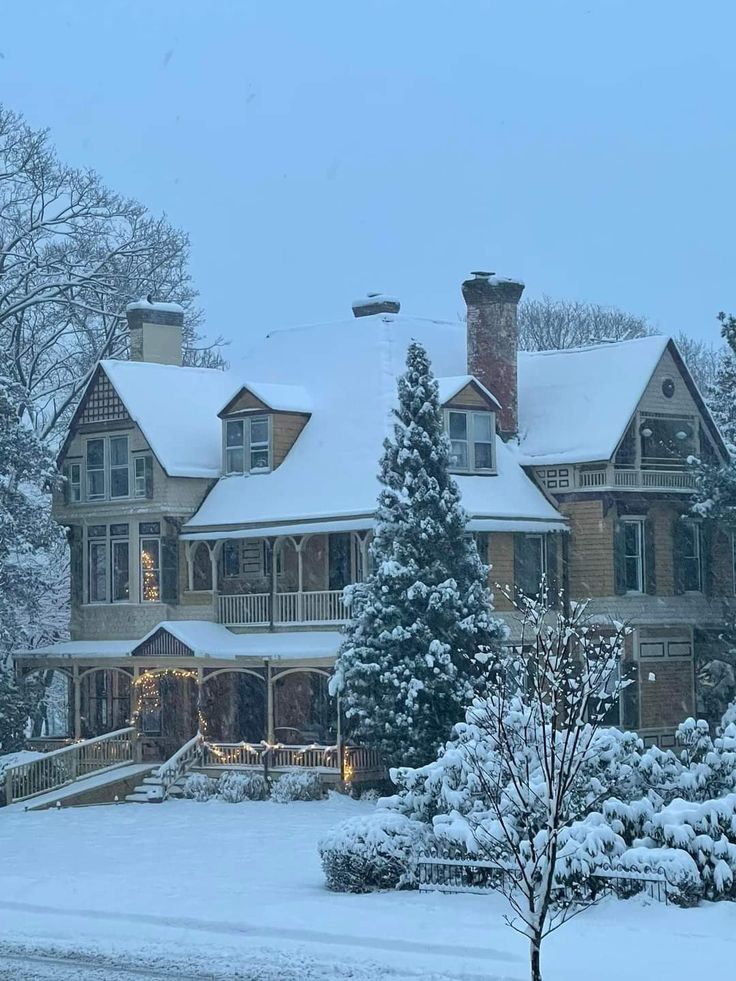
<point>243,402</point>
<point>501,559</point>
<point>590,557</point>
<point>469,397</point>
<point>654,400</point>
<point>286,428</point>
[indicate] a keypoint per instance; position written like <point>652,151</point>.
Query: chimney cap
<point>479,274</point>
<point>147,303</point>
<point>374,303</point>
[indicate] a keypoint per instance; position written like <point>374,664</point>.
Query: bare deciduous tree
<point>72,255</point>
<point>550,325</point>
<point>537,737</point>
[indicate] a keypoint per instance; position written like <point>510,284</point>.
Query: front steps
<point>151,791</point>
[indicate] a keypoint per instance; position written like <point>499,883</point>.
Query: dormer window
<point>471,440</point>
<point>248,444</point>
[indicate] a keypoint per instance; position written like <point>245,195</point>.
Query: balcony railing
<point>254,609</point>
<point>609,476</point>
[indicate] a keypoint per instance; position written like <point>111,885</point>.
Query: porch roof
<point>206,639</point>
<point>358,523</point>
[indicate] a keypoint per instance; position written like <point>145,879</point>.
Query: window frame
<point>75,486</point>
<point>119,467</point>
<point>247,446</point>
<point>114,543</point>
<point>88,471</point>
<point>542,538</point>
<point>639,523</point>
<point>471,439</point>
<point>697,538</point>
<point>141,459</point>
<point>101,545</point>
<point>142,540</point>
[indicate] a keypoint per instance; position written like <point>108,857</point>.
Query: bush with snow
<point>379,851</point>
<point>198,786</point>
<point>236,786</point>
<point>297,785</point>
<point>683,881</point>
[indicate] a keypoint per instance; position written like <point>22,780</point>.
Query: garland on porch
<point>151,693</point>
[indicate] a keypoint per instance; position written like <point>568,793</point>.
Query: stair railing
<point>63,766</point>
<point>189,755</point>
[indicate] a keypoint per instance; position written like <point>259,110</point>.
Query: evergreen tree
<point>407,668</point>
<point>715,493</point>
<point>27,532</point>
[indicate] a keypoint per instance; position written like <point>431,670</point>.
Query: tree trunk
<point>534,953</point>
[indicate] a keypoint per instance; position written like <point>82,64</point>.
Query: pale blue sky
<point>318,150</point>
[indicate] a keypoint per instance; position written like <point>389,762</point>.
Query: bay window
<point>471,440</point>
<point>248,444</point>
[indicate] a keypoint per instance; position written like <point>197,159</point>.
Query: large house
<point>214,518</point>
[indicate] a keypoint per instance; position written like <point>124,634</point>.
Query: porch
<point>253,579</point>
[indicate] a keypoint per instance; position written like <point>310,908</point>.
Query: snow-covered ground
<point>235,890</point>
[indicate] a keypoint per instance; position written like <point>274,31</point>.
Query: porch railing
<point>254,609</point>
<point>609,476</point>
<point>63,766</point>
<point>358,763</point>
<point>190,754</point>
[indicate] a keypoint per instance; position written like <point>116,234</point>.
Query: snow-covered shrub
<point>297,785</point>
<point>707,832</point>
<point>684,885</point>
<point>379,851</point>
<point>584,847</point>
<point>628,819</point>
<point>235,786</point>
<point>198,786</point>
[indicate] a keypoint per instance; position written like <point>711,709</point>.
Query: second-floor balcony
<point>316,607</point>
<point>610,476</point>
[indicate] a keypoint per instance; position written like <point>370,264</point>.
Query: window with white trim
<point>471,440</point>
<point>247,558</point>
<point>97,574</point>
<point>633,554</point>
<point>107,471</point>
<point>248,444</point>
<point>119,563</point>
<point>150,569</point>
<point>75,482</point>
<point>139,476</point>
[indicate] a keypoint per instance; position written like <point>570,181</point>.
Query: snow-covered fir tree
<point>27,533</point>
<point>406,670</point>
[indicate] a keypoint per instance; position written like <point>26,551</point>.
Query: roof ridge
<point>598,346</point>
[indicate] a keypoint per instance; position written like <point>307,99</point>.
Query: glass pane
<point>259,430</point>
<point>120,574</point>
<point>259,459</point>
<point>482,426</point>
<point>95,483</point>
<point>119,451</point>
<point>235,433</point>
<point>234,462</point>
<point>459,455</point>
<point>150,576</point>
<point>231,559</point>
<point>483,456</point>
<point>631,538</point>
<point>458,425</point>
<point>119,482</point>
<point>95,453</point>
<point>692,575</point>
<point>97,572</point>
<point>633,581</point>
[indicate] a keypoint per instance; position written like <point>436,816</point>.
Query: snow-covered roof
<point>350,369</point>
<point>575,405</point>
<point>206,639</point>
<point>449,387</point>
<point>176,409</point>
<point>283,398</point>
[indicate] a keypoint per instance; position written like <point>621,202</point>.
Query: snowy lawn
<point>231,886</point>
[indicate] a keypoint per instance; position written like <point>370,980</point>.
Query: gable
<point>471,396</point>
<point>162,643</point>
<point>101,403</point>
<point>244,401</point>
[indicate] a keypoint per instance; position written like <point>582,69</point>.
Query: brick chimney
<point>492,303</point>
<point>155,331</point>
<point>375,303</point>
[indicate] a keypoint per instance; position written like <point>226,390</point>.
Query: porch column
<point>276,545</point>
<point>134,709</point>
<point>300,586</point>
<point>338,740</point>
<point>270,728</point>
<point>214,551</point>
<point>77,686</point>
<point>201,721</point>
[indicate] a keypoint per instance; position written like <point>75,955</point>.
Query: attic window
<point>248,445</point>
<point>471,440</point>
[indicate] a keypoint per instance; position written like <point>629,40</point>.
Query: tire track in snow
<point>277,933</point>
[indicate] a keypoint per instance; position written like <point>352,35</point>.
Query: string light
<point>151,590</point>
